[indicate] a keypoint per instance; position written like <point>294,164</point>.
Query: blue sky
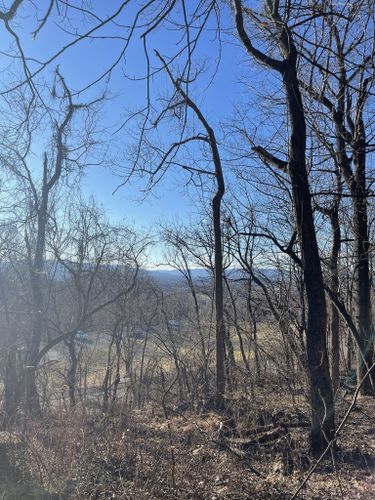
<point>224,93</point>
<point>83,62</point>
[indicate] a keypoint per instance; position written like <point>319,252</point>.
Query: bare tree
<point>343,90</point>
<point>179,257</point>
<point>323,427</point>
<point>100,264</point>
<point>66,155</point>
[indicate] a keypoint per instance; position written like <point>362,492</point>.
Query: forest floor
<point>256,450</point>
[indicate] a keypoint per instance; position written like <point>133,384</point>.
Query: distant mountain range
<point>165,277</point>
<point>173,277</point>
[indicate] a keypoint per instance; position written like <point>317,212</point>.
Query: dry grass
<point>141,454</point>
<point>144,454</point>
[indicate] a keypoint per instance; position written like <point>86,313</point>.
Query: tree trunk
<point>219,300</point>
<point>36,271</point>
<point>71,376</point>
<point>321,398</point>
<point>365,353</point>
<point>334,283</point>
<point>11,388</point>
<point>11,380</point>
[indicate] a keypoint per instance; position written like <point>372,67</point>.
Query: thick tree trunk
<point>365,352</point>
<point>11,380</point>
<point>36,270</point>
<point>323,420</point>
<point>334,313</point>
<point>321,397</point>
<point>31,391</point>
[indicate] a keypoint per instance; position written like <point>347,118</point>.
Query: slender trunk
<point>141,371</point>
<point>230,361</point>
<point>253,328</point>
<point>335,347</point>
<point>204,351</point>
<point>356,182</point>
<point>72,373</point>
<point>117,379</point>
<point>334,313</point>
<point>11,382</point>
<point>238,328</point>
<point>219,300</point>
<point>106,380</point>
<point>218,251</point>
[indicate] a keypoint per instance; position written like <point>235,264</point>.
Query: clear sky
<point>85,61</point>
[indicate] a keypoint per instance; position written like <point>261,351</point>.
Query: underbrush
<point>250,450</point>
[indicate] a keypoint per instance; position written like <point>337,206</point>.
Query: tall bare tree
<point>344,88</point>
<point>323,422</point>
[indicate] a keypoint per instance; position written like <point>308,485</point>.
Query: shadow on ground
<point>13,486</point>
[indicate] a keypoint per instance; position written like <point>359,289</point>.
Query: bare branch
<point>270,158</point>
<point>260,56</point>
